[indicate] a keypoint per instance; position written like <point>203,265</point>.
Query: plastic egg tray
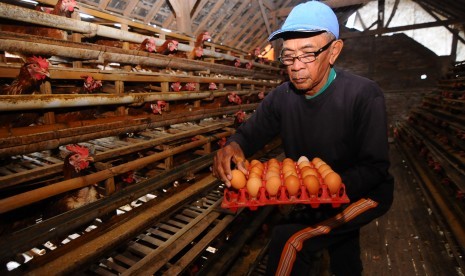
<point>234,199</point>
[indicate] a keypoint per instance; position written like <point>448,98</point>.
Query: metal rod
<point>27,102</point>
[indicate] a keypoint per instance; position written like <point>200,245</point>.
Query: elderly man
<point>322,112</point>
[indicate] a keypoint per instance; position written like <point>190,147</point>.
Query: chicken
<point>190,86</point>
<point>147,45</point>
<point>239,118</point>
<point>90,84</point>
<point>234,98</point>
<point>30,76</point>
<point>61,8</point>
<point>197,51</point>
<point>147,108</point>
<point>73,165</point>
<point>168,47</point>
<point>212,86</point>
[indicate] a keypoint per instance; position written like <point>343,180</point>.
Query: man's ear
<point>336,49</point>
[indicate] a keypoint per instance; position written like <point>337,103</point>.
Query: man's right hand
<point>222,162</point>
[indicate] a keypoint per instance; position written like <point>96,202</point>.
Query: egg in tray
<point>287,182</point>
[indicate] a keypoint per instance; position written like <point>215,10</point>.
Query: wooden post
<point>46,88</point>
<point>109,182</point>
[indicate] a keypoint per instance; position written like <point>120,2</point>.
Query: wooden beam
<point>332,3</point>
<point>264,16</point>
<point>237,36</point>
<point>153,11</point>
<point>183,16</point>
<point>442,23</point>
<point>130,7</point>
<point>233,18</point>
<point>201,28</point>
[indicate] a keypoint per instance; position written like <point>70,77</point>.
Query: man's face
<point>309,77</point>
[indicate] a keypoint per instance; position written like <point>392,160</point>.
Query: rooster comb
<point>43,63</point>
<point>78,149</point>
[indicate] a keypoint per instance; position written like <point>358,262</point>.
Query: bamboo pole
<point>13,12</point>
<point>36,195</point>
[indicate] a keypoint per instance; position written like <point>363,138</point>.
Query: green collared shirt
<point>332,76</point>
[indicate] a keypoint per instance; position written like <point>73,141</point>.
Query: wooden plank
<point>113,265</point>
<point>168,227</point>
<point>159,233</point>
<point>151,240</point>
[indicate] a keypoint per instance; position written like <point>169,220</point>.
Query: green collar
<point>331,77</point>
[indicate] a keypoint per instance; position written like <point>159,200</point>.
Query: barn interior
<point>106,147</point>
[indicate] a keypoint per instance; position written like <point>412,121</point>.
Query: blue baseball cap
<point>309,17</point>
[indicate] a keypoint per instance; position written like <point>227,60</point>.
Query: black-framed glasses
<point>304,58</point>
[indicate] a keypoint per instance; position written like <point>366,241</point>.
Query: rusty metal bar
<point>27,102</point>
<point>31,16</point>
<point>83,51</point>
<point>39,141</point>
<point>36,195</point>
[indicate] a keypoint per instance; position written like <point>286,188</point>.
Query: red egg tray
<point>234,199</point>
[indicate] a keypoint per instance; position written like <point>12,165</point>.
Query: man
<point>326,113</point>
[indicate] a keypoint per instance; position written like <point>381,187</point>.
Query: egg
<point>326,172</point>
<point>271,174</point>
<point>333,181</point>
<point>312,184</point>
<point>272,185</point>
<point>289,172</point>
<point>288,161</point>
<point>273,161</point>
<point>292,184</point>
<point>307,172</point>
<point>253,186</point>
<point>304,164</point>
<point>316,160</point>
<point>238,180</point>
<point>255,175</point>
<point>323,167</point>
<point>301,159</point>
<point>257,164</point>
<point>256,170</point>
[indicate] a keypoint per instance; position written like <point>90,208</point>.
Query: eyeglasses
<point>304,58</point>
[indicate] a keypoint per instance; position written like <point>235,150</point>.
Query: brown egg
<point>316,160</point>
<point>289,172</point>
<point>256,169</point>
<point>253,186</point>
<point>325,172</point>
<point>312,184</point>
<point>304,164</point>
<point>255,175</point>
<point>272,185</point>
<point>289,167</point>
<point>288,161</point>
<point>323,167</point>
<point>258,165</point>
<point>238,180</point>
<point>273,161</point>
<point>333,181</point>
<point>292,184</point>
<point>312,171</point>
<point>271,174</point>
